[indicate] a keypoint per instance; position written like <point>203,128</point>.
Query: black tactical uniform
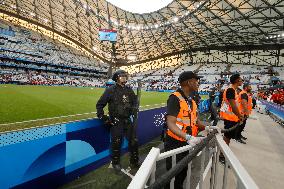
<point>122,105</point>
<point>213,108</point>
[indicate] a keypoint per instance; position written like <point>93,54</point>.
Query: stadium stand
<point>166,78</point>
<point>32,58</point>
<point>28,57</point>
<point>68,43</point>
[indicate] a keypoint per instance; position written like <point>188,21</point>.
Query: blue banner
<point>48,157</point>
<point>276,109</point>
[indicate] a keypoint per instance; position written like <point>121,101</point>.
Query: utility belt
<point>117,119</point>
<point>122,114</point>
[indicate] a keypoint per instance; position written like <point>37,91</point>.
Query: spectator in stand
<point>277,96</point>
<point>281,97</point>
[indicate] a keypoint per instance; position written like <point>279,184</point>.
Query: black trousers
<point>214,113</point>
<point>240,129</point>
<point>253,103</point>
<point>121,128</point>
<point>170,144</point>
<point>227,125</point>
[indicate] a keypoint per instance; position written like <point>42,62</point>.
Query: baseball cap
<point>188,75</point>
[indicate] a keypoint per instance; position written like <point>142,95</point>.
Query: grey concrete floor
<point>263,155</point>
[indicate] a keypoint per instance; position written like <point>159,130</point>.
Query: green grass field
<point>23,103</point>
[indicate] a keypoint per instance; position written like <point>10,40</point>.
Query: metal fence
<point>147,172</point>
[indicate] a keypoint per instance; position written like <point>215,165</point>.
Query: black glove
<point>105,119</point>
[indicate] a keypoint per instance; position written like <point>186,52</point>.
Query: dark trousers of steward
<point>240,129</point>
<point>170,144</point>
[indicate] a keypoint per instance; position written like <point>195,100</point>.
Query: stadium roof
<point>180,27</point>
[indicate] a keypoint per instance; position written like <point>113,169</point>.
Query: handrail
<point>240,171</point>
<point>149,165</point>
<point>174,151</point>
<point>144,172</point>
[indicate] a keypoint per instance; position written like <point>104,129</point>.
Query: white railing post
<point>174,161</point>
<point>188,175</point>
<point>241,174</point>
<point>216,167</point>
<point>153,174</point>
<point>225,176</point>
<point>148,168</point>
<point>202,161</point>
<point>213,168</point>
<point>141,177</point>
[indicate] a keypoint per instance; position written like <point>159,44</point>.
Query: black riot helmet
<point>118,73</point>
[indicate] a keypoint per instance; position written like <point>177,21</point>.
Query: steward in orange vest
<point>229,111</point>
<point>186,118</point>
<point>226,111</point>
<point>245,107</point>
<point>182,121</point>
<point>248,104</point>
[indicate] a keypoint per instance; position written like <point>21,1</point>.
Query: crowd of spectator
<point>36,78</point>
<point>272,95</point>
<point>32,50</point>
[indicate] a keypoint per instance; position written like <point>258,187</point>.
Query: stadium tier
<point>28,57</point>
<point>116,94</point>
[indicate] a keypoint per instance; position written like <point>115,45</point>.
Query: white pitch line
<point>43,119</point>
<point>127,173</point>
<point>48,125</point>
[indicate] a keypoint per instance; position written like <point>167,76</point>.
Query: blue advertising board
<point>274,108</point>
<point>50,156</point>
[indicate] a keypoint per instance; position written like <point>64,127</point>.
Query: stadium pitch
<point>23,103</point>
<point>54,104</point>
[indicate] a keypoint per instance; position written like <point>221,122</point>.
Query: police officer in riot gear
<point>122,106</point>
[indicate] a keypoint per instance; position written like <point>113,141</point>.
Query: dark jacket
<point>122,102</point>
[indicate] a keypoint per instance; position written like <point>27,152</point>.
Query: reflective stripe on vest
<point>249,104</point>
<point>226,111</point>
<point>186,117</point>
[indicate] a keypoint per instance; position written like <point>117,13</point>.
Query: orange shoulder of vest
<point>176,93</point>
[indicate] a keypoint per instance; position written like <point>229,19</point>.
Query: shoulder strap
<point>177,94</point>
<point>180,97</point>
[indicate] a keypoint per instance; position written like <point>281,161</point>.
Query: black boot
<point>240,141</point>
<point>115,156</point>
<point>135,165</point>
<point>134,158</point>
<point>116,167</point>
<point>134,161</point>
<point>222,159</point>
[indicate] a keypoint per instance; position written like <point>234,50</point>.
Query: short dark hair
<point>234,78</point>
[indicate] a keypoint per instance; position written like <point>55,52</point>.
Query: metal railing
<point>146,173</point>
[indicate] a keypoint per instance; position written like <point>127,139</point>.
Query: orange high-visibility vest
<point>186,118</point>
<point>249,103</point>
<point>226,111</point>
